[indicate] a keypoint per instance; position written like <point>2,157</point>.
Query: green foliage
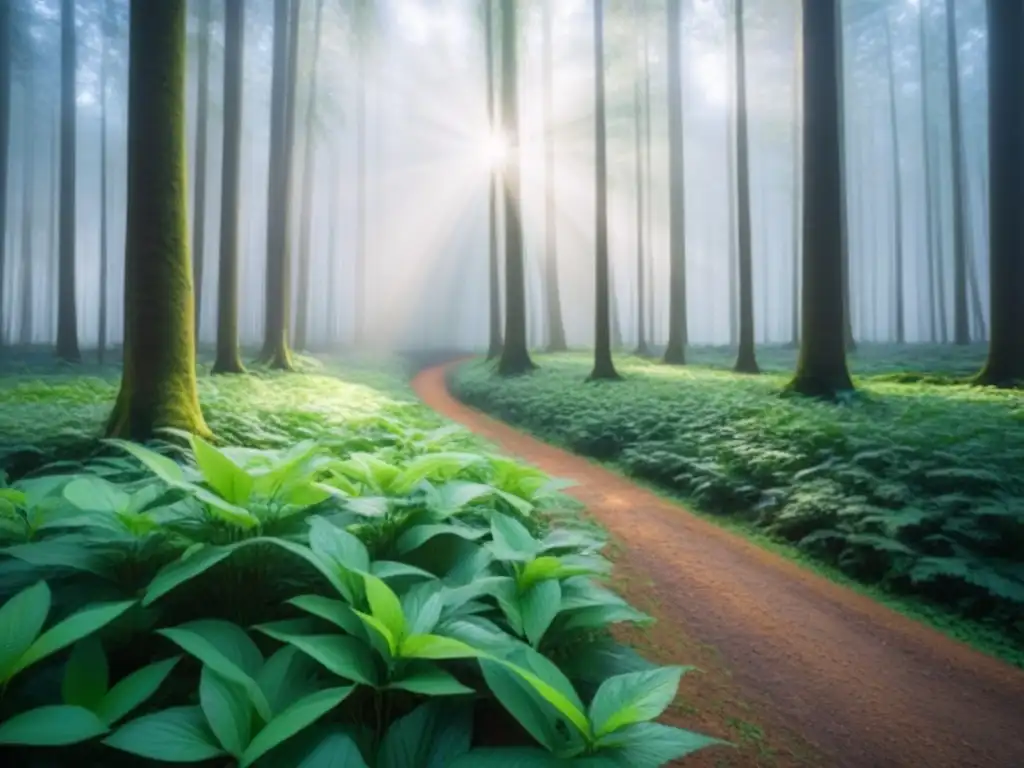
<point>352,589</point>
<point>911,486</point>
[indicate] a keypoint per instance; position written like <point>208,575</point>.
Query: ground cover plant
<point>915,484</point>
<point>347,581</point>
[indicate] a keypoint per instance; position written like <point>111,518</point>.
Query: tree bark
<point>730,172</point>
<point>556,329</point>
<point>746,361</point>
<point>641,250</point>
<point>931,255</point>
<point>158,386</point>
<point>961,323</point>
<point>494,282</point>
<point>821,369</point>
<point>675,353</point>
<point>897,189</point>
<point>308,171</point>
<point>5,123</point>
<point>101,342</point>
<point>67,308</point>
<point>229,359</point>
<point>795,223</point>
<point>515,356</point>
<point>202,131</point>
<point>1005,364</point>
<point>27,205</point>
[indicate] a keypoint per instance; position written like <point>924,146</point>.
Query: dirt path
<point>866,686</point>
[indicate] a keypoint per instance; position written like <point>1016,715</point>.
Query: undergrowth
<point>911,487</point>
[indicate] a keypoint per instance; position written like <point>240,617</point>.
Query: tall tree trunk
<point>848,339</point>
<point>67,308</point>
<point>5,124</point>
<point>556,330</point>
<point>931,255</point>
<point>746,362</point>
<point>27,205</point>
<point>359,278</point>
<point>52,231</point>
<point>730,184</point>
<point>604,368</point>
<point>229,359</point>
<point>795,222</point>
<point>649,222</point>
<point>821,369</point>
<point>1005,365</point>
<point>308,171</point>
<point>333,256</point>
<point>641,251</point>
<point>675,353</point>
<point>940,256</point>
<point>101,339</point>
<point>897,188</point>
<point>276,351</point>
<point>494,282</point>
<point>158,386</point>
<point>202,130</point>
<point>515,356</point>
<point>961,324</point>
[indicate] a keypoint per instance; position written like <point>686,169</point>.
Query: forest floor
<point>831,677</point>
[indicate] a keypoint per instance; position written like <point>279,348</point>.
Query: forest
<point>499,383</point>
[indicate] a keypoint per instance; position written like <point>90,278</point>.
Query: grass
<point>913,488</point>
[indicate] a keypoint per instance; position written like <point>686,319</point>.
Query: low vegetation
<point>913,484</point>
<point>350,582</point>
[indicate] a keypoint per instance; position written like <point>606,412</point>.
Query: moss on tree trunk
<point>158,386</point>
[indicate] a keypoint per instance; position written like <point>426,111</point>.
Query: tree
<point>202,131</point>
<point>27,206</point>
<point>67,309</point>
<point>961,326</point>
<point>821,367</point>
<point>494,283</point>
<point>515,357</point>
<point>158,386</point>
<point>308,171</point>
<point>641,252</point>
<point>556,330</point>
<point>1005,364</point>
<point>746,362</point>
<point>276,351</point>
<point>604,368</point>
<point>229,359</point>
<point>730,191</point>
<point>931,255</point>
<point>897,186</point>
<point>107,31</point>
<point>675,353</point>
<point>364,31</point>
<point>795,213</point>
<point>5,123</point>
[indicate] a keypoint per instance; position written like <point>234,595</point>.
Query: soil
<point>794,669</point>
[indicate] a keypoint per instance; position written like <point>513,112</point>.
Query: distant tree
<point>27,208</point>
<point>202,135</point>
<point>363,22</point>
<point>515,357</point>
<point>675,353</point>
<point>821,367</point>
<point>494,282</point>
<point>795,213</point>
<point>105,34</point>
<point>229,359</point>
<point>1005,365</point>
<point>730,189</point>
<point>746,361</point>
<point>639,14</point>
<point>556,329</point>
<point>931,256</point>
<point>158,386</point>
<point>5,123</point>
<point>67,308</point>
<point>961,324</point>
<point>897,185</point>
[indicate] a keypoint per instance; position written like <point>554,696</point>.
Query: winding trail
<point>866,686</point>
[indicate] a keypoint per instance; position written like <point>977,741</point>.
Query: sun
<point>494,150</point>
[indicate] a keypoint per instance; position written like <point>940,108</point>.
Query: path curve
<point>869,687</point>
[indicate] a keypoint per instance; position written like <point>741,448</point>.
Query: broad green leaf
<point>650,745</point>
<point>422,605</point>
<point>221,473</point>
<point>550,693</point>
<point>633,698</point>
<point>511,541</point>
<point>431,466</point>
<point>435,647</point>
<point>368,506</point>
<point>161,466</point>
<point>431,736</point>
<point>228,711</point>
<point>526,705</point>
<point>338,546</point>
<point>52,726</point>
<point>223,509</point>
<point>602,658</point>
<point>21,620</point>
<point>385,606</point>
<point>177,735</point>
<point>390,569</point>
<point>95,494</point>
<point>378,626</point>
<point>419,535</point>
<point>336,750</point>
<point>335,611</point>
<point>455,495</point>
<point>345,656</point>
<point>602,616</point>
<point>71,630</point>
<point>133,690</point>
<point>429,680</point>
<point>71,550</point>
<point>539,605</point>
<point>85,675</point>
<point>299,715</point>
<point>287,676</point>
<point>190,565</point>
<point>509,757</point>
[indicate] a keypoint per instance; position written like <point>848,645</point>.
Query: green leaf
<point>335,611</point>
<point>539,605</point>
<point>378,626</point>
<point>419,535</point>
<point>86,675</point>
<point>338,546</point>
<point>228,711</point>
<point>161,466</point>
<point>385,606</point>
<point>511,541</point>
<point>650,745</point>
<point>431,736</point>
<point>431,466</point>
<point>601,616</point>
<point>567,706</point>
<point>634,697</point>
<point>133,690</point>
<point>21,620</point>
<point>429,680</point>
<point>528,707</point>
<point>423,604</point>
<point>336,750</point>
<point>435,647</point>
<point>346,657</point>
<point>509,757</point>
<point>93,494</point>
<point>223,509</point>
<point>299,715</point>
<point>72,629</point>
<point>389,569</point>
<point>177,735</point>
<point>287,676</point>
<point>221,473</point>
<point>190,565</point>
<point>52,726</point>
